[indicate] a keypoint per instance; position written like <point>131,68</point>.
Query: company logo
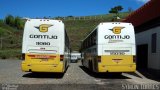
<point>44,27</point>
<point>116,30</point>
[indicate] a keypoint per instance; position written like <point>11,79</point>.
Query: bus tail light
<point>23,56</point>
<point>61,57</point>
<point>134,59</point>
<point>32,56</point>
<point>52,56</point>
<point>42,56</point>
<point>99,59</point>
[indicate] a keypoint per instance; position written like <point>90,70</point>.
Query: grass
<point>77,30</point>
<point>10,41</point>
<point>10,53</point>
<point>11,37</point>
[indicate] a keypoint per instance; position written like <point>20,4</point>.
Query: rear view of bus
<point>45,46</point>
<point>116,47</point>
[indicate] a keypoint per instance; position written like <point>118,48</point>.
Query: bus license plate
<point>44,59</point>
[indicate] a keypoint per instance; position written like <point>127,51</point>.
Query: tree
<point>45,17</point>
<point>17,22</point>
<point>70,16</point>
<point>119,8</point>
<point>9,20</point>
<point>116,10</point>
<point>113,10</point>
<point>21,26</point>
<point>14,22</point>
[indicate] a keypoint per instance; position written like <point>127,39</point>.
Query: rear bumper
<point>27,67</point>
<point>117,68</point>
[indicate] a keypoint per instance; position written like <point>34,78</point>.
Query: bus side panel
<point>90,58</point>
<point>66,50</point>
<point>66,58</point>
<point>86,59</point>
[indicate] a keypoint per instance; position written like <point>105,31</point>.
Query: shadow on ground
<point>103,75</point>
<point>44,75</point>
<point>149,74</point>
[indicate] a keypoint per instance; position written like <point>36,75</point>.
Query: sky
<point>54,8</point>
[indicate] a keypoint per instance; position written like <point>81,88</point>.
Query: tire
<point>82,62</point>
<point>90,66</point>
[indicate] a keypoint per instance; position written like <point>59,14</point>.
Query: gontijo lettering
<point>117,37</point>
<point>43,36</point>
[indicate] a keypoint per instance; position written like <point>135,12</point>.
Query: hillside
<point>10,41</point>
<point>77,29</point>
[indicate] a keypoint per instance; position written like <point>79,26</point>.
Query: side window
<point>95,36</point>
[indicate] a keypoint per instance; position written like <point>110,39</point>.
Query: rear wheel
<point>90,66</point>
<point>82,62</point>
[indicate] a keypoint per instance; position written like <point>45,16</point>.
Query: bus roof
<point>43,20</point>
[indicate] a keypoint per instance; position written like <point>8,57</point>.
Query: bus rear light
<point>61,57</point>
<point>31,56</point>
<point>23,56</point>
<point>41,56</point>
<point>99,58</point>
<point>52,56</point>
<point>134,59</point>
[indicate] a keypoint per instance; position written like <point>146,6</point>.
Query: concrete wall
<point>146,38</point>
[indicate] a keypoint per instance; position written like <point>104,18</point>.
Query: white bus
<point>45,46</point>
<point>110,47</point>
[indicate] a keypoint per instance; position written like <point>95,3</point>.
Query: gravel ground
<point>76,77</point>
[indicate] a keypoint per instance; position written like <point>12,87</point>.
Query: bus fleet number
<point>42,43</point>
<point>117,53</point>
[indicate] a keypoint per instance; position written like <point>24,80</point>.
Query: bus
<point>110,47</point>
<point>45,46</point>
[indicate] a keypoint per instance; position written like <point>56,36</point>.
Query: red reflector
<point>52,56</point>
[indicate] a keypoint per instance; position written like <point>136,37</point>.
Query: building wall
<point>146,38</point>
